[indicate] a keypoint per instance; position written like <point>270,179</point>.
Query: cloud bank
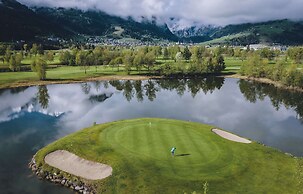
<point>214,12</point>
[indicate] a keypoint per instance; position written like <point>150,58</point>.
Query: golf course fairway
<point>139,153</point>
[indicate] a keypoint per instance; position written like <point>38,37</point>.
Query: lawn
<point>139,152</point>
<point>64,73</point>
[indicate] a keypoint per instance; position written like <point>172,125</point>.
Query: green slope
<point>139,152</point>
<point>280,31</point>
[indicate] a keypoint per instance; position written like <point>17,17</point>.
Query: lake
<point>32,117</point>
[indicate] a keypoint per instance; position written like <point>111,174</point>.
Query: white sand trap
<point>75,165</point>
<point>230,136</point>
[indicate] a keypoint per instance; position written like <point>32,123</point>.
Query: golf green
<point>139,152</point>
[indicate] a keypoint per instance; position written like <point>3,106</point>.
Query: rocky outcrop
<point>59,179</point>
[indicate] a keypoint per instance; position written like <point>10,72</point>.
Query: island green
<point>138,150</point>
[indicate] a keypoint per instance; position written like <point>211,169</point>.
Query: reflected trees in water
<point>254,91</point>
<point>43,96</point>
<point>149,89</point>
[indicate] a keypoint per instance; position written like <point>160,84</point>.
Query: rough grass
<point>140,156</point>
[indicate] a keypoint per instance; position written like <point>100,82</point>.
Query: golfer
<point>173,151</point>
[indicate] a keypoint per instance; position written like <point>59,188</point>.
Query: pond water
<point>33,117</point>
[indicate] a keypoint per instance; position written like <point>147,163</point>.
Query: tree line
<point>38,64</point>
<point>176,60</point>
<point>281,71</point>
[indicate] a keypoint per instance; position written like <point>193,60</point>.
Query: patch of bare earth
<point>230,136</point>
<point>77,166</point>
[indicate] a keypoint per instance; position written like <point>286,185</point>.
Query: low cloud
<point>215,12</point>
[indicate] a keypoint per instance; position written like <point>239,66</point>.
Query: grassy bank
<point>64,74</point>
<point>139,153</point>
<point>67,74</point>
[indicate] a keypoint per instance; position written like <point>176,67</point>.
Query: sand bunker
<point>230,136</point>
<point>77,166</point>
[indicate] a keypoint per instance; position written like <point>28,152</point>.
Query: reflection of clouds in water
<point>63,99</point>
<point>11,105</point>
<point>225,108</point>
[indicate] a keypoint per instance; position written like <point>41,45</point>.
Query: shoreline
<point>67,81</point>
<point>138,77</point>
<point>265,81</point>
<point>59,179</point>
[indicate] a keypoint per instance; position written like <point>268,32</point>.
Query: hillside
<point>280,31</point>
<point>22,23</point>
<point>18,22</point>
<point>97,23</point>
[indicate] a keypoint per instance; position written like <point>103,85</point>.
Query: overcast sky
<point>217,12</point>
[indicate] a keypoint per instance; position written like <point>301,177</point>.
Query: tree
<point>219,64</point>
<point>34,49</point>
<point>98,57</point>
<point>39,66</point>
<point>67,58</point>
<point>254,67</point>
<point>276,73</point>
<point>43,96</point>
<point>267,53</point>
<point>173,51</point>
<point>150,59</point>
<point>128,61</point>
<point>165,53</point>
<point>158,51</point>
<point>49,56</point>
<point>83,60</point>
<point>187,54</point>
<point>210,66</point>
<point>138,61</point>
<point>296,54</point>
<point>197,55</point>
<point>293,77</point>
<point>15,62</point>
<point>12,63</point>
<point>118,62</point>
<point>2,49</point>
<point>8,54</point>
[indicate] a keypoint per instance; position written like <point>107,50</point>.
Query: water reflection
<point>253,91</point>
<point>149,89</point>
<point>35,116</point>
<point>43,97</point>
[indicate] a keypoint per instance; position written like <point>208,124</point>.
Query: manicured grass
<point>29,60</point>
<point>233,65</point>
<point>63,73</point>
<point>139,153</point>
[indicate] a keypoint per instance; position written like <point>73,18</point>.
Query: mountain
<point>280,31</point>
<point>19,22</point>
<point>98,23</point>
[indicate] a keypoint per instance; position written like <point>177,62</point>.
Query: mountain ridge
<point>22,23</point>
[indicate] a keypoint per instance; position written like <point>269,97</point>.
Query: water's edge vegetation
<point>284,69</point>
